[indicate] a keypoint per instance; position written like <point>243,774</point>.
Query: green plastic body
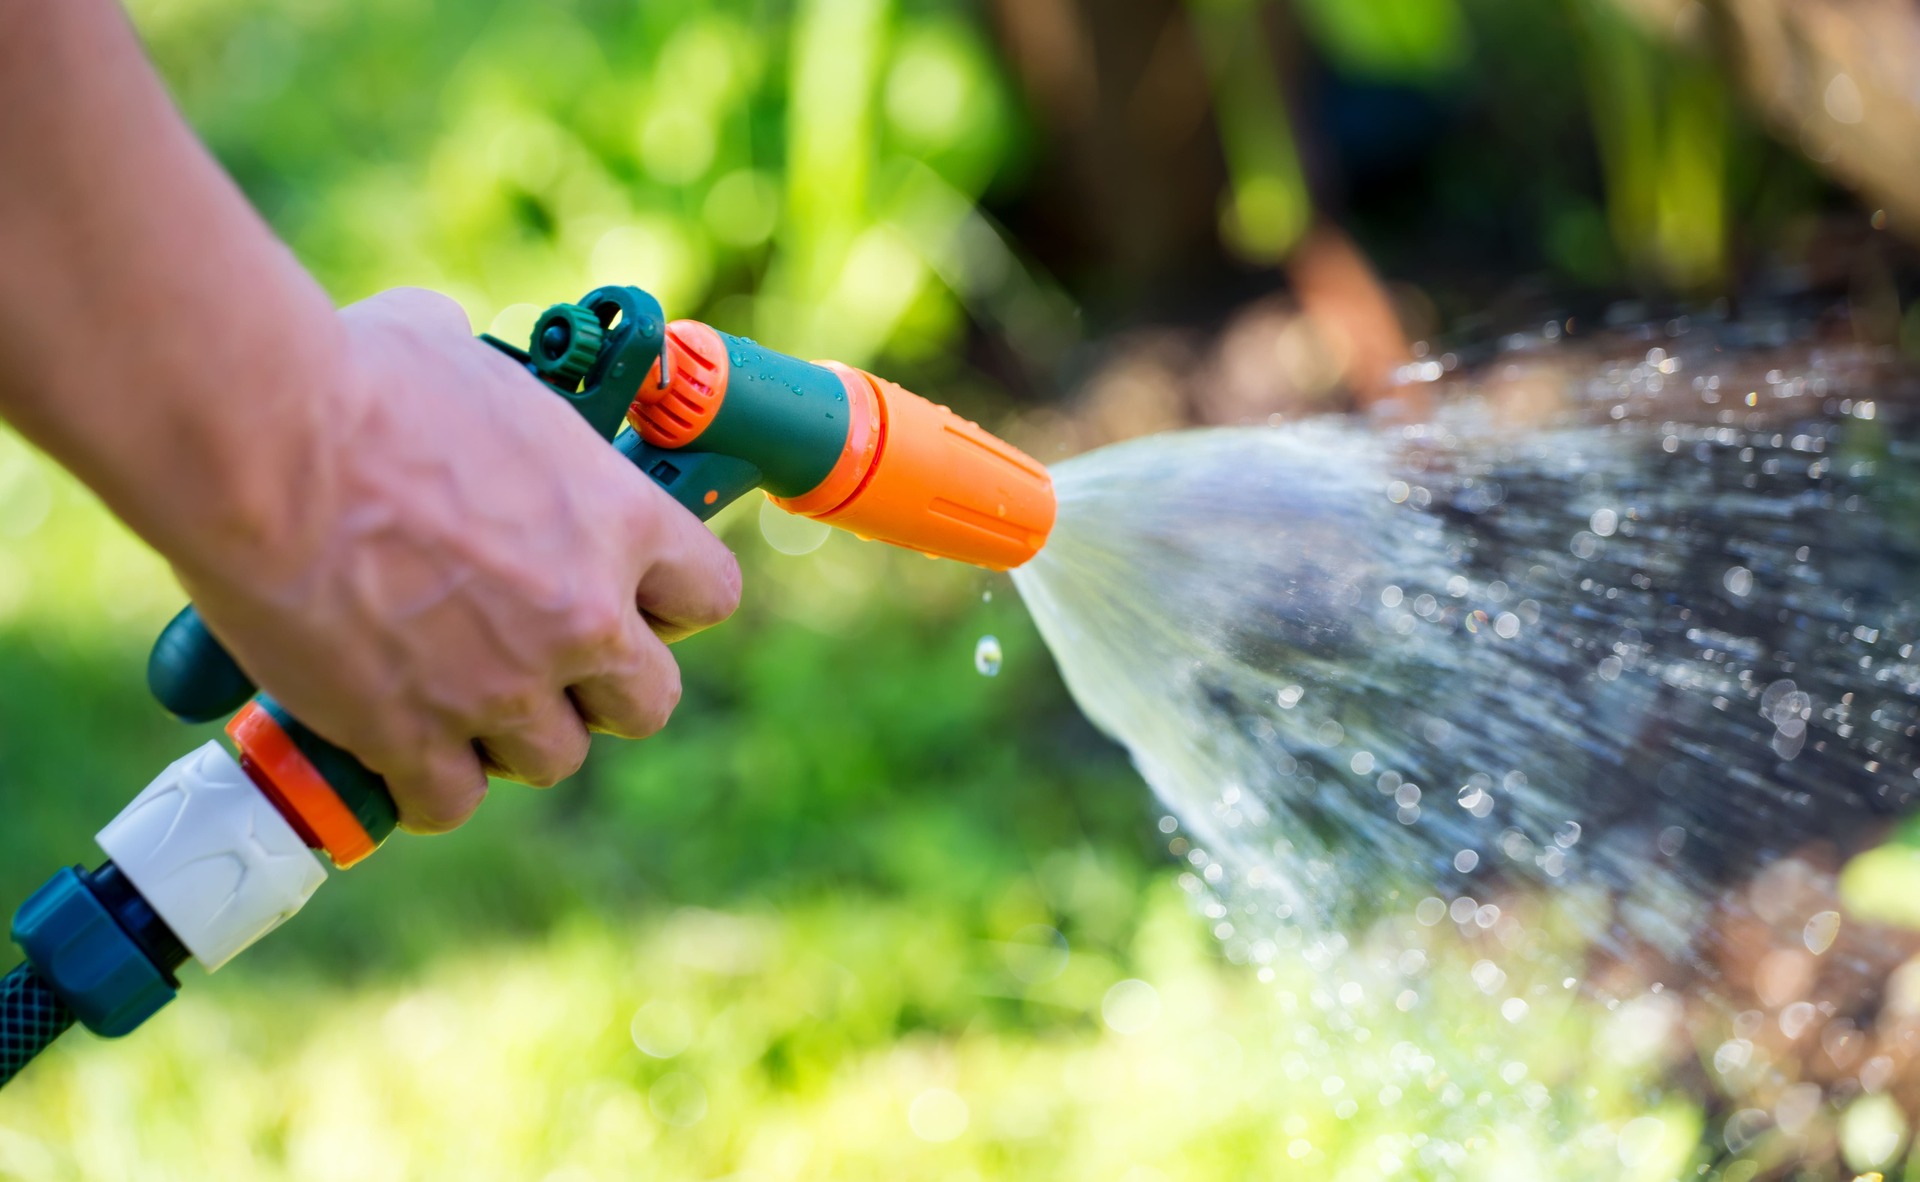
<point>689,476</point>
<point>787,417</point>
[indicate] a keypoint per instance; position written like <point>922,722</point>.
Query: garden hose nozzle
<point>218,850</point>
<point>845,447</point>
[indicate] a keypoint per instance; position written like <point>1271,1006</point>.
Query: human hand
<point>461,585</point>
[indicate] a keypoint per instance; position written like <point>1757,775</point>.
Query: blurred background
<point>872,907</point>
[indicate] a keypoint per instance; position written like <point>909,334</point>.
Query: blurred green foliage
<point>1399,39</point>
<point>801,169</point>
<point>1592,142</point>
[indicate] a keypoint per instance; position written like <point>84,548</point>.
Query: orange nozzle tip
<point>944,486</point>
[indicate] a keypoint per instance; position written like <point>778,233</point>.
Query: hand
<point>461,585</point>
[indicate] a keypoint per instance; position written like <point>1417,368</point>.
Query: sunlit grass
<point>854,1038</point>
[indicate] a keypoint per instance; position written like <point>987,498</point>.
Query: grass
<point>847,1039</point>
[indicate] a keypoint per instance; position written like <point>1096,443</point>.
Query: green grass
<point>847,1039</point>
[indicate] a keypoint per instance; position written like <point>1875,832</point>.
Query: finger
<point>542,747</point>
<point>438,790</point>
<point>636,693</point>
<point>691,580</point>
<point>418,306</point>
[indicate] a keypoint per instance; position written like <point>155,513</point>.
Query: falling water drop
<point>986,656</point>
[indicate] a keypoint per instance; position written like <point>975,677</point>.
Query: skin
<point>402,536</point>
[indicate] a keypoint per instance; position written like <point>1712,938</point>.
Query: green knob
<point>566,343</point>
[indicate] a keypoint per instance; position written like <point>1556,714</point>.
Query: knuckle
<point>545,776</point>
<point>505,708</point>
<point>661,702</point>
<point>444,802</point>
<point>553,764</point>
<point>647,703</point>
<point>599,623</point>
<point>574,758</point>
<point>618,706</point>
<point>727,594</point>
<point>392,747</point>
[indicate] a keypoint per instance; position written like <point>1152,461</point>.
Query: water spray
<point>1573,698</point>
<point>220,848</point>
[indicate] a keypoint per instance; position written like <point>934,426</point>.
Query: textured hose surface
<point>31,1017</point>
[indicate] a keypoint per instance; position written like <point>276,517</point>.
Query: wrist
<point>155,338</point>
<point>242,484</point>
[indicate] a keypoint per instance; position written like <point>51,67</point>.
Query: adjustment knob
<point>566,343</point>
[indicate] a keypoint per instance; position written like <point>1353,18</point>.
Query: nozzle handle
<point>196,679</point>
<point>612,338</point>
<point>192,675</point>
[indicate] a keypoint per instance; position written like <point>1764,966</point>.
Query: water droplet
<point>986,656</point>
<point>1821,931</point>
<point>1739,580</point>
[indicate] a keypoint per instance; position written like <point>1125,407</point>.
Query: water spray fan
<point>220,848</point>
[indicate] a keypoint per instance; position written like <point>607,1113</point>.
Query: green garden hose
<point>31,1017</point>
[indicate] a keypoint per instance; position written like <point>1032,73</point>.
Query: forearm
<point>154,335</point>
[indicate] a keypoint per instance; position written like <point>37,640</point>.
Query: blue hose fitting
<point>91,962</point>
